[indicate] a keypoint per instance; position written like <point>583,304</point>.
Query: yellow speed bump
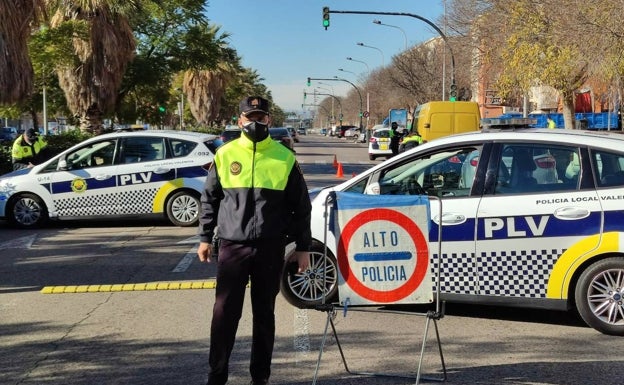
<point>129,287</point>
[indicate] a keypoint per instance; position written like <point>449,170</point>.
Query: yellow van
<point>442,118</point>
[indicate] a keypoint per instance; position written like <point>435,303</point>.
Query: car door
<point>84,182</point>
<point>439,174</point>
<point>530,214</point>
<point>143,170</point>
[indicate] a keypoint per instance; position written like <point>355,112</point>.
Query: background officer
<point>256,194</point>
<point>29,149</point>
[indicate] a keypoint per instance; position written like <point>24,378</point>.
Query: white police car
<point>126,174</point>
<point>510,236</point>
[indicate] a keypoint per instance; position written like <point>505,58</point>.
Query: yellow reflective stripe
<point>582,251</point>
<point>158,206</point>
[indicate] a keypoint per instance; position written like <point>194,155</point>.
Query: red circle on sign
<point>422,255</point>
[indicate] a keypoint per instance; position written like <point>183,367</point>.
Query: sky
<point>285,42</point>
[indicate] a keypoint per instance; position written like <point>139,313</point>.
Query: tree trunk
<point>568,110</point>
<point>16,72</point>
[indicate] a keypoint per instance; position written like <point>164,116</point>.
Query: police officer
<point>255,193</point>
<point>395,137</point>
<point>410,141</point>
<point>29,149</point>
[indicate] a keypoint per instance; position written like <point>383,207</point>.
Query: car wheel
<point>599,296</point>
<point>305,290</point>
<point>27,211</point>
<point>371,157</point>
<point>183,208</point>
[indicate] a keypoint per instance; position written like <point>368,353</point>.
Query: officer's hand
<point>303,260</point>
<point>204,251</point>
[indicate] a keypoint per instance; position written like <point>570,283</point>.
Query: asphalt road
<point>127,329</point>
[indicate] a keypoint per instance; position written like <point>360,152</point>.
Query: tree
<point>91,85</point>
<point>16,73</point>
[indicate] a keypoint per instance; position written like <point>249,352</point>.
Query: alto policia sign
<point>383,254</point>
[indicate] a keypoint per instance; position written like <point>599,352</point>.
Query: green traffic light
<point>309,82</point>
<point>161,109</point>
<point>325,17</point>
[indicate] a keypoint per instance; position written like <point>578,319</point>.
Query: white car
<point>509,236</point>
<point>125,174</point>
<point>379,143</point>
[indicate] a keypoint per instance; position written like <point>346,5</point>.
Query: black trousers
<point>261,263</point>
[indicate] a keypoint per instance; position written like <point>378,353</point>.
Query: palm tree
<point>16,73</point>
<point>91,84</point>
<point>205,88</point>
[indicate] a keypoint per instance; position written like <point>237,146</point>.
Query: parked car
<point>230,132</point>
<point>293,134</point>
<point>379,143</point>
<point>282,135</point>
<point>152,173</point>
<point>8,133</point>
<point>301,131</point>
<point>509,236</point>
<point>323,131</point>
<point>345,131</point>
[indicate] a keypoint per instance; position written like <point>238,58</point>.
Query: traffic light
<point>309,82</point>
<point>305,94</point>
<point>162,109</point>
<point>325,17</point>
<point>453,94</point>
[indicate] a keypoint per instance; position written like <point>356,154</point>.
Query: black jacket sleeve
<point>298,200</point>
<point>210,202</point>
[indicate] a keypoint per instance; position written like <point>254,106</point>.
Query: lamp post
<point>437,29</point>
<point>378,22</point>
<point>336,78</point>
<point>359,61</point>
<point>333,93</point>
<point>344,70</point>
<point>339,105</point>
<point>375,48</point>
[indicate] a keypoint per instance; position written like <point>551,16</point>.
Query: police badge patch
<point>235,168</point>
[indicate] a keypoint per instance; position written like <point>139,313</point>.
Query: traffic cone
<point>335,161</point>
<point>339,172</point>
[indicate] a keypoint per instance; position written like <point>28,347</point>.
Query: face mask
<point>256,131</point>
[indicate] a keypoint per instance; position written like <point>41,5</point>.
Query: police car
<point>125,174</point>
<point>512,234</point>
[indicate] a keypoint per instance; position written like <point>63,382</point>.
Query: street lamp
<point>380,51</point>
<point>378,22</point>
<point>344,70</point>
<point>359,61</point>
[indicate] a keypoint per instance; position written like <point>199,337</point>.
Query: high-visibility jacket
<point>255,191</point>
<point>410,141</point>
<point>24,153</point>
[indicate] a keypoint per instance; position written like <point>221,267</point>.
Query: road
<point>125,331</point>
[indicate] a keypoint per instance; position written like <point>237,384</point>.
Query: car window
<point>181,147</point>
<point>609,168</point>
<point>95,154</point>
<point>531,168</point>
<point>142,149</point>
<point>436,174</point>
<point>382,134</point>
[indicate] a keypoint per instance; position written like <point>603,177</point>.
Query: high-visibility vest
<point>22,150</point>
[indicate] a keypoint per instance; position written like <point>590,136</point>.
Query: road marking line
<point>107,288</point>
<point>19,243</point>
<point>186,261</point>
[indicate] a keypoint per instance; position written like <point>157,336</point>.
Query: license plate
<point>383,146</point>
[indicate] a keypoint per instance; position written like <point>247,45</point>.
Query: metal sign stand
<point>432,315</point>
